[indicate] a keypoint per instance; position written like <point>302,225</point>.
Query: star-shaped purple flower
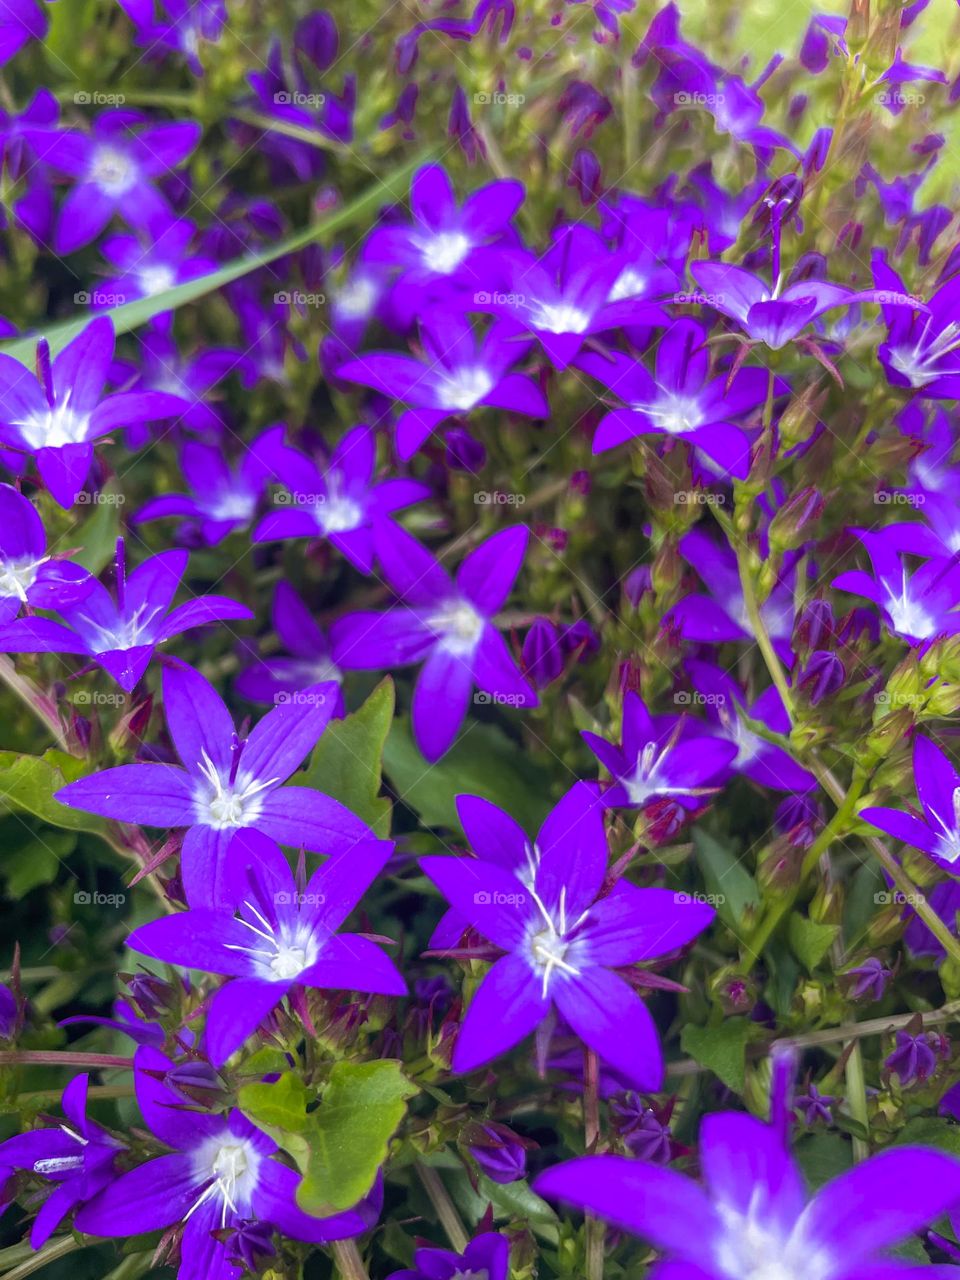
<point>918,606</point>
<point>121,633</point>
<point>339,501</point>
<point>28,576</point>
<point>445,624</point>
<point>283,934</point>
<point>277,679</point>
<point>458,372</point>
<point>937,832</point>
<point>564,940</point>
<point>486,1257</point>
<point>226,783</point>
<point>57,413</point>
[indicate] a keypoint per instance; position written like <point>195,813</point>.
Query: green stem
<point>444,1207</point>
<point>56,1058</point>
<point>594,1231</point>
<point>50,1252</point>
<point>41,706</point>
<point>347,1257</point>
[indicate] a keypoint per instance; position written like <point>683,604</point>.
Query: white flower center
<point>17,576</point>
<point>674,413</point>
<point>357,298</point>
<point>752,1249</point>
<point>113,171</point>
<point>233,506</point>
<point>339,514</point>
<point>443,253</point>
<point>459,627</point>
<point>465,388</point>
<point>156,279</point>
<point>561,317</point>
<point>912,365</point>
<point>279,953</point>
<point>53,427</point>
<point>549,941</point>
<point>230,1166</point>
<point>628,284</point>
<point>646,781</point>
<point>908,617</point>
<point>222,804</point>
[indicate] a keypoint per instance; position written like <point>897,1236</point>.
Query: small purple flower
<point>281,936</point>
<point>446,624</point>
<point>121,632</point>
<point>339,502</point>
<point>28,576</point>
<point>227,783</point>
<point>219,1174</point>
<point>642,1129</point>
<point>660,757</point>
<point>937,833</point>
<point>922,350</point>
<point>77,1156</point>
<point>57,413</point>
<point>681,401</point>
<point>918,606</point>
<point>186,25</point>
<point>564,941</point>
<point>871,978</point>
<point>486,1257</point>
<point>459,372</point>
<point>815,1106</point>
<point>754,1217</point>
<point>153,262</point>
<point>542,653</point>
<point>914,1059</point>
<point>278,679</point>
<point>9,1013</point>
<point>115,168</point>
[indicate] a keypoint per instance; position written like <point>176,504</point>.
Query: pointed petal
<point>505,1009</point>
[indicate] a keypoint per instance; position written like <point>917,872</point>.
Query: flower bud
<point>542,653</point>
<point>499,1153</point>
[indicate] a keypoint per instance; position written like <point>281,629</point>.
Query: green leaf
<point>347,761</point>
<point>96,538</point>
<point>823,1156</point>
<point>29,782</point>
<point>281,1105</point>
<point>722,1049</point>
<point>483,762</point>
<point>930,1131</point>
<point>809,941</point>
<point>347,1142</point>
<point>36,862</point>
<point>726,878</point>
<point>131,315</point>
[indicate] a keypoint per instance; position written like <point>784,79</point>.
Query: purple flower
<point>814,1105</point>
<point>21,20</point>
<point>774,316</point>
<point>756,758</point>
<point>152,268</point>
<point>115,169</point>
<point>458,373</point>
<point>185,26</point>
<point>282,935</point>
<point>755,1214</point>
<point>161,367</point>
<point>659,758</point>
<point>277,679</point>
<point>499,1154</point>
<point>220,1173</point>
<point>722,615</point>
<point>227,783</point>
<point>542,653</point>
<point>77,1156</point>
<point>486,1257</point>
<point>446,624</point>
<point>918,606</point>
<point>937,833</point>
<point>642,1129</point>
<point>121,633</point>
<point>565,295</point>
<point>57,413</point>
<point>922,350</point>
<point>27,574</point>
<point>564,941</point>
<point>914,1059</point>
<point>339,502</point>
<point>224,498</point>
<point>871,979</point>
<point>9,1013</point>
<point>681,401</point>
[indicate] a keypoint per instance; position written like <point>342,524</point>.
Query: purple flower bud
<point>580,483</point>
<point>464,451</point>
<point>579,638</point>
<point>150,994</point>
<point>317,38</point>
<point>504,1159</point>
<point>914,1059</point>
<point>816,156</point>
<point>822,676</point>
<point>642,1129</point>
<point>871,979</point>
<point>586,176</point>
<point>249,1244</point>
<point>8,1014</point>
<point>814,625</point>
<point>637,584</point>
<point>815,50</point>
<point>583,107</point>
<point>814,1106</point>
<point>542,654</point>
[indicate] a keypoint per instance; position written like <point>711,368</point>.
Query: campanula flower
<point>937,832</point>
<point>28,576</point>
<point>486,1257</point>
<point>278,679</point>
